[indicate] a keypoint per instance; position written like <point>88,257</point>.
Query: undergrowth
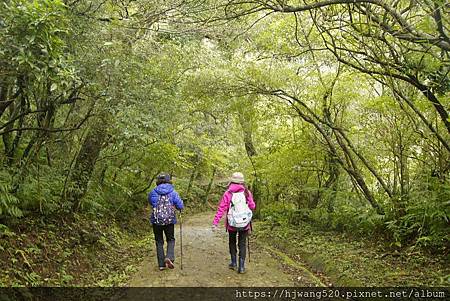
<point>78,251</point>
<point>349,259</point>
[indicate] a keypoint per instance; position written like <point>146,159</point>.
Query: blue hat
<point>163,177</point>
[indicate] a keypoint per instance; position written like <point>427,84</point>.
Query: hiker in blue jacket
<point>164,200</point>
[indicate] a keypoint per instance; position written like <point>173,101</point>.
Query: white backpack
<point>239,215</point>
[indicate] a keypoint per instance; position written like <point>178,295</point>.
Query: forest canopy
<point>338,110</point>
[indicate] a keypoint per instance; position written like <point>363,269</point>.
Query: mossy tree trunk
<point>85,163</point>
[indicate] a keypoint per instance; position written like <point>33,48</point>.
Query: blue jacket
<point>163,189</point>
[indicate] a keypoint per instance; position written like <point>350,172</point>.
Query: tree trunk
<point>85,163</point>
<point>4,103</point>
<point>330,158</point>
<point>211,182</point>
<point>332,181</point>
<point>251,153</point>
<point>192,177</point>
<point>103,174</point>
<point>404,179</point>
<point>353,171</point>
<point>441,110</point>
<point>7,137</point>
<point>352,167</point>
<point>400,96</point>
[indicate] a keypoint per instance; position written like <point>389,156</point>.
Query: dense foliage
<point>337,108</point>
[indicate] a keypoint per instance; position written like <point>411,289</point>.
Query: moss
<point>351,261</point>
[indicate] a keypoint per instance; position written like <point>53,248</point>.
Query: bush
<point>425,219</point>
<point>41,190</point>
<point>278,213</point>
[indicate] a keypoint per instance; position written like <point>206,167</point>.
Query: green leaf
<point>53,87</point>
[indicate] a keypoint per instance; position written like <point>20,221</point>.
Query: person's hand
<point>214,228</point>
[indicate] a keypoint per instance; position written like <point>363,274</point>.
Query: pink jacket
<point>224,204</point>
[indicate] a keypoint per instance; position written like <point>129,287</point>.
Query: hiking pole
<point>181,240</point>
<point>250,230</point>
<point>248,246</point>
<point>248,238</point>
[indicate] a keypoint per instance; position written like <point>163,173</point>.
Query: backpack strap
<point>247,194</point>
<point>231,201</point>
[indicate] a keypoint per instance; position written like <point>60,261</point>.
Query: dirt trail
<point>205,262</point>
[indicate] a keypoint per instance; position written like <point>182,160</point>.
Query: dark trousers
<point>242,243</point>
<point>169,231</point>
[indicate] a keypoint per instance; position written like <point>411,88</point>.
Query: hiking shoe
<point>162,268</point>
<point>169,263</point>
<point>232,266</point>
<point>241,269</point>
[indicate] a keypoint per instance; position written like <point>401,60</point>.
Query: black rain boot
<point>233,263</point>
<point>241,269</point>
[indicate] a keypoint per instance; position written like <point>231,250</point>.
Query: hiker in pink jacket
<point>236,185</point>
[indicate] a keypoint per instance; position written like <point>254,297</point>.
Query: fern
<point>8,201</point>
